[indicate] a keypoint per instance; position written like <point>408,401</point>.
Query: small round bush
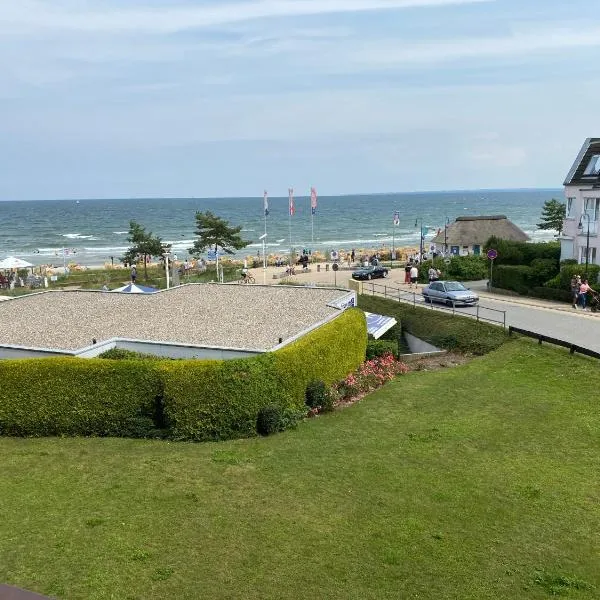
<point>318,395</point>
<point>269,419</point>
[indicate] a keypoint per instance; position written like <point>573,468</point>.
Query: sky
<point>210,98</point>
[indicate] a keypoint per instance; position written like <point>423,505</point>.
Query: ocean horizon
<point>92,230</point>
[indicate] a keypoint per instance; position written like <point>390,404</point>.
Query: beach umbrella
<point>12,262</point>
<point>132,288</point>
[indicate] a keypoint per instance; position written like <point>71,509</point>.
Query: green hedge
<point>523,253</point>
<point>518,278</point>
<point>70,396</point>
<point>212,400</point>
<point>461,268</point>
<point>180,399</point>
<point>438,328</point>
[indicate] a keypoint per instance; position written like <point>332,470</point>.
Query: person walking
<point>133,274</point>
<point>432,274</point>
<point>584,288</point>
<point>407,272</point>
<point>575,285</point>
<point>414,276</point>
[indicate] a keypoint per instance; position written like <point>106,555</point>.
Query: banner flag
<point>313,200</point>
<point>266,203</point>
<point>291,198</point>
<point>396,218</point>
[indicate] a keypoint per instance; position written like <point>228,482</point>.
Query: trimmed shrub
<point>328,353</point>
<point>121,354</point>
<point>318,395</point>
<point>518,278</point>
<point>522,253</point>
<point>550,293</point>
<point>437,328</point>
<point>269,419</point>
<point>567,271</point>
<point>377,348</point>
<point>316,391</point>
<point>214,400</point>
<point>461,268</point>
<point>181,399</point>
<point>71,396</point>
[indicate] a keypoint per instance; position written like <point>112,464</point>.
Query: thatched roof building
<point>476,231</point>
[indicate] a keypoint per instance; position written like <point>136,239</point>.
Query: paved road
<point>575,327</point>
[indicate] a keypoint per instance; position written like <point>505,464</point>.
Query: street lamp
<point>166,255</point>
<point>587,240</point>
<point>263,237</point>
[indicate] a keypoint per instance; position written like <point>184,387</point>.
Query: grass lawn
<point>470,483</point>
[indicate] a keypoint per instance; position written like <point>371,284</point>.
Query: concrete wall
<point>418,345</point>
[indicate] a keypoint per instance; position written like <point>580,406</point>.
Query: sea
<point>94,231</point>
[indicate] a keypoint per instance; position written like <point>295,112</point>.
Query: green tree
<point>214,233</point>
<point>143,245</point>
<point>553,215</point>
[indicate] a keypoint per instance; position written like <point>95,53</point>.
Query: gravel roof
<point>236,316</point>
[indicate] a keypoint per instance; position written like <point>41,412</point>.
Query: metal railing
<point>544,338</point>
<point>481,313</point>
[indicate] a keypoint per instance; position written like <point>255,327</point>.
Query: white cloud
<point>35,15</point>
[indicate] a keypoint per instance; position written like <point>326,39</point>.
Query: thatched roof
<point>466,231</point>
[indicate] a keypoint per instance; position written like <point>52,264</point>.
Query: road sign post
<point>492,255</point>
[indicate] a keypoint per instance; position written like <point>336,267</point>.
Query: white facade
<point>583,214</point>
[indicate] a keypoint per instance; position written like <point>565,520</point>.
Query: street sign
<point>335,266</point>
<point>492,254</point>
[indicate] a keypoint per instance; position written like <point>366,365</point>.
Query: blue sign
<point>212,255</point>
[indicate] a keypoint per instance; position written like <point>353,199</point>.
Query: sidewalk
<point>481,288</point>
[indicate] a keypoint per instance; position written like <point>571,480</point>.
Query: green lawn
<point>470,483</point>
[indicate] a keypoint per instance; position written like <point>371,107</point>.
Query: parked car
<point>450,292</point>
<point>370,272</point>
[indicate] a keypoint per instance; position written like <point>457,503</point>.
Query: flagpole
<point>290,200</point>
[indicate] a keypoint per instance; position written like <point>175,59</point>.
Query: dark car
<point>450,292</point>
<point>370,272</point>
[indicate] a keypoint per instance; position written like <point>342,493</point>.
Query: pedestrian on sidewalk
<point>575,285</point>
<point>584,288</point>
<point>407,272</point>
<point>432,274</point>
<point>414,276</point>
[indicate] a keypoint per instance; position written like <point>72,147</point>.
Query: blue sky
<point>124,98</point>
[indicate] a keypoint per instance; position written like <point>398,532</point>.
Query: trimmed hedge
<point>179,399</point>
<point>438,328</point>
<point>70,396</point>
<point>461,268</point>
<point>213,400</point>
<point>523,253</point>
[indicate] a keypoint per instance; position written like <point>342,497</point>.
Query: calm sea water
<point>95,230</point>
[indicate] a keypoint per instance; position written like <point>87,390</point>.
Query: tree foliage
<point>143,245</point>
<point>553,215</point>
<point>214,232</point>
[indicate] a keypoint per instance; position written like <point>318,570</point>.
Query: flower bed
<point>372,374</point>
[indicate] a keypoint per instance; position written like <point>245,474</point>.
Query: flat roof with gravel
<point>233,316</point>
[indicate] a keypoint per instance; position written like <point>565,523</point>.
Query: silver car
<point>450,292</point>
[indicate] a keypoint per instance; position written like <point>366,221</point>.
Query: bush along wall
<point>438,328</point>
<point>70,396</point>
<point>178,399</point>
<point>213,400</point>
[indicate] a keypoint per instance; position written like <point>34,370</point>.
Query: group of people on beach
<point>579,292</point>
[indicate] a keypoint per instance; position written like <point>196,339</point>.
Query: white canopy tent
<point>12,262</point>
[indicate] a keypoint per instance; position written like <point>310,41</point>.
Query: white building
<point>582,191</point>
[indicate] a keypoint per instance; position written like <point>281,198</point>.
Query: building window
<point>570,208</point>
<point>591,255</point>
<point>593,167</point>
<point>591,207</point>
